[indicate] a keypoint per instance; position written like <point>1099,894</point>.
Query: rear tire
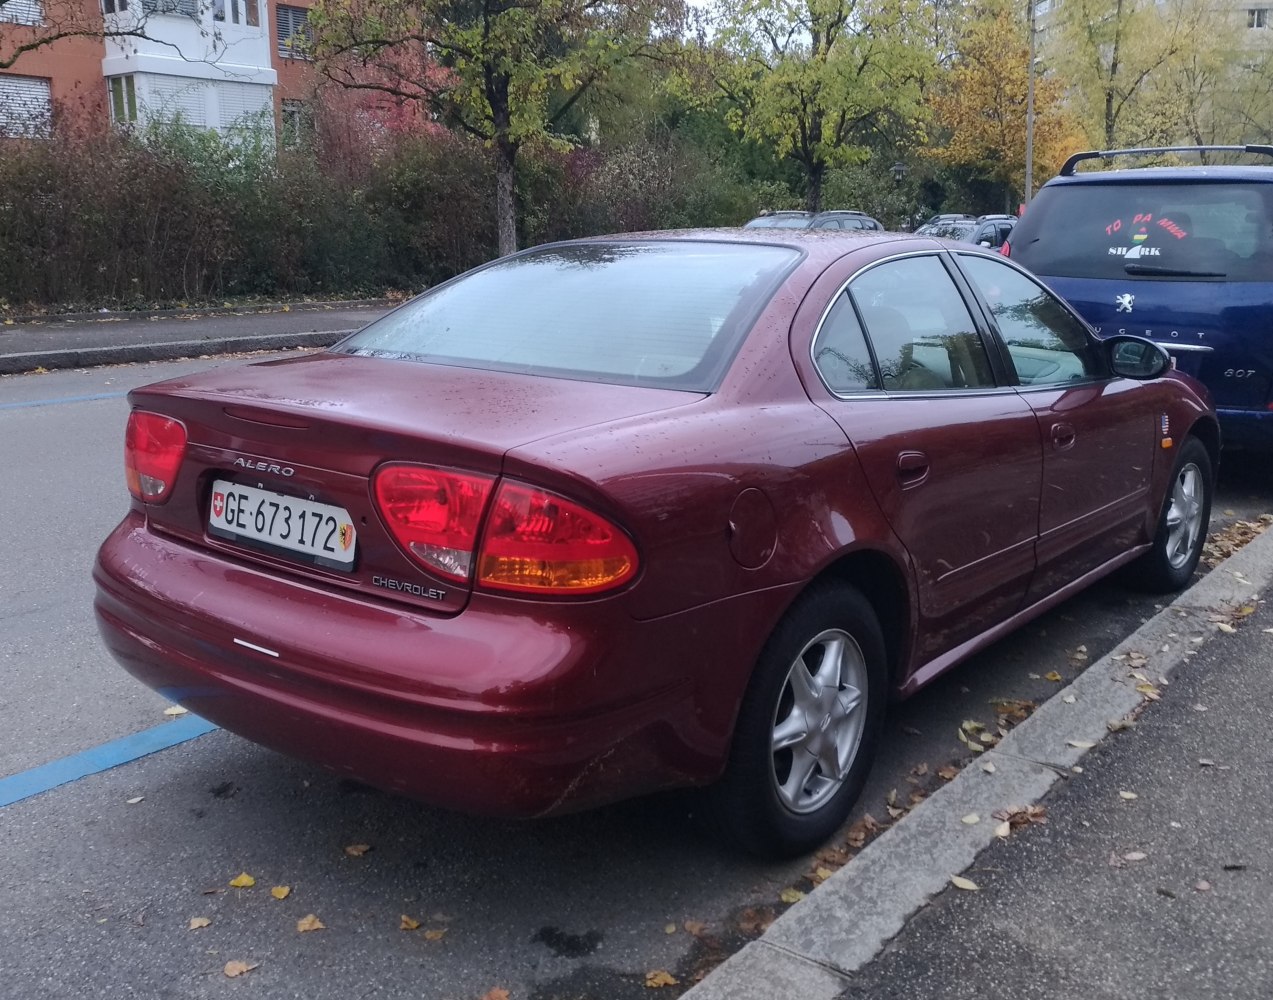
<point>808,728</point>
<point>1182,525</point>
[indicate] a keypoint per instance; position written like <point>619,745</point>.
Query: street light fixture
<point>899,172</point>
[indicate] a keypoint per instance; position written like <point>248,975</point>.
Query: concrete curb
<point>88,357</point>
<point>240,310</point>
<point>809,952</point>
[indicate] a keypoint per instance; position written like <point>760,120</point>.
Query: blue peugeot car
<point>1182,255</point>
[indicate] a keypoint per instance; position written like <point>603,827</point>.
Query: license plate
<point>319,532</point>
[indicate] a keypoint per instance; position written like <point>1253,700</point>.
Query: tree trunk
<point>505,197</point>
<point>814,173</point>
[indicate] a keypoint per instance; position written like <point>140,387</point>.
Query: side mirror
<point>984,243</point>
<point>1136,357</point>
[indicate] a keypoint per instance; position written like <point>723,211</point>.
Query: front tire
<point>808,728</point>
<point>1182,526</point>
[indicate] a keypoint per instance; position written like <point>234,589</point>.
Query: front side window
<point>1048,346</point>
<point>1257,17</point>
<point>664,314</point>
<point>917,322</point>
<point>114,6</point>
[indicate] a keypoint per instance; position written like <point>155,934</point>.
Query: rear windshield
<point>947,230</point>
<point>1167,231</point>
<point>780,222</point>
<point>669,314</point>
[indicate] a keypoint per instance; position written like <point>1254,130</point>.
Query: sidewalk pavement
<point>1165,892</point>
<point>88,339</point>
<point>1168,894</point>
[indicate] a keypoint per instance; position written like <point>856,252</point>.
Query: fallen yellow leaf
<point>959,882</point>
<point>660,977</point>
<point>1128,796</point>
<point>435,934</point>
<point>1081,744</point>
<point>971,819</point>
<point>408,923</point>
<point>357,850</point>
<point>1225,627</point>
<point>197,922</point>
<point>670,929</point>
<point>281,891</point>
<point>175,710</point>
<point>1053,676</point>
<point>695,927</point>
<point>1003,829</point>
<point>498,993</point>
<point>237,968</point>
<point>791,895</point>
<point>310,923</point>
<point>243,881</point>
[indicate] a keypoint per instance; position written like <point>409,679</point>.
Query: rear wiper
<point>1170,272</point>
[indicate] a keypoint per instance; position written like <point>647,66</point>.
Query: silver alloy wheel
<point>1184,515</point>
<point>818,721</point>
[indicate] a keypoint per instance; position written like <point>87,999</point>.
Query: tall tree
<point>820,79</point>
<point>1114,53</point>
<point>980,102</point>
<point>503,71</point>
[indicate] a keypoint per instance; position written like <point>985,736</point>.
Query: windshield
<point>1169,230</point>
<point>669,314</point>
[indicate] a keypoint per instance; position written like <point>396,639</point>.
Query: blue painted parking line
<point>100,758</point>
<point>62,399</point>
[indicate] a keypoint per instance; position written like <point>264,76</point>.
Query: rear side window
<point>1212,231</point>
<point>667,314</point>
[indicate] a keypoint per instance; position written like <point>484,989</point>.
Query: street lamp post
<point>1029,109</point>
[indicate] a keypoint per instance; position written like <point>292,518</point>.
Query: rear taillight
<point>153,449</point>
<point>1006,249</point>
<point>533,542</point>
<point>538,542</point>
<point>434,514</point>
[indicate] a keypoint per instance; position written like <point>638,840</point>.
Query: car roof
<point>1195,174</point>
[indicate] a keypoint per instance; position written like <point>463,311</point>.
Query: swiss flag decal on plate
<point>218,504</point>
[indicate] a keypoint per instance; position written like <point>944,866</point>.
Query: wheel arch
<point>878,578</point>
<point>1208,432</point>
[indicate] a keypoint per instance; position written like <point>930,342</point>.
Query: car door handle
<point>912,469</point>
<point>1062,436</point>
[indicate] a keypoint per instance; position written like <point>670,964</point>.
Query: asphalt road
<point>98,892</point>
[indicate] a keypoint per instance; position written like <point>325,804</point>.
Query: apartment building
<point>219,64</point>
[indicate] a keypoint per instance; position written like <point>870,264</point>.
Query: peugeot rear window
<point>1167,231</point>
<point>670,314</point>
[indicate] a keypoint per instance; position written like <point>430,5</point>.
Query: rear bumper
<point>507,709</point>
<point>1251,429</point>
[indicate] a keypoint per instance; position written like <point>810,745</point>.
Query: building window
<point>26,107</point>
<point>187,8</point>
<point>114,6</point>
<point>250,12</point>
<point>1257,17</point>
<point>123,99</point>
<point>22,11</point>
<point>294,36</point>
<point>298,123</point>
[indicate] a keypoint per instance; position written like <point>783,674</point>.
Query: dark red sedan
<point>620,514</point>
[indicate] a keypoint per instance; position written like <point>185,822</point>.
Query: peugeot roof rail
<point>1104,154</point>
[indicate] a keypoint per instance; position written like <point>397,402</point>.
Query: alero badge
<point>1124,302</point>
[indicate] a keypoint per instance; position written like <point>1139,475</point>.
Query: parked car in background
<point>833,219</point>
<point>985,230</point>
<point>626,513</point>
<point>1181,254</point>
